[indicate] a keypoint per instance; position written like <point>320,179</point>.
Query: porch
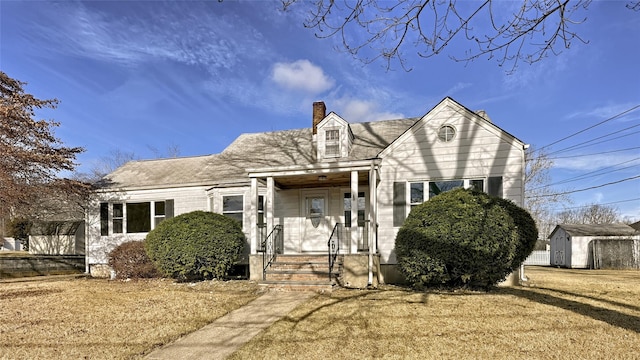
<point>324,215</point>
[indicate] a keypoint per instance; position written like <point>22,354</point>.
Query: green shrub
<point>130,261</point>
<point>197,245</point>
<point>464,238</point>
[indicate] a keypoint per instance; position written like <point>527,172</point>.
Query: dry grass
<point>12,253</point>
<point>567,314</point>
<point>101,319</point>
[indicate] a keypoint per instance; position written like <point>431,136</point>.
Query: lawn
<point>101,319</point>
<point>572,314</point>
<point>565,314</point>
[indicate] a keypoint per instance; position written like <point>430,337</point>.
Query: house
<point>335,188</point>
<point>62,237</point>
<point>595,246</point>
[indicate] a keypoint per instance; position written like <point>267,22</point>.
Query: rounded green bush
<point>464,238</point>
<point>195,246</point>
<point>130,261</point>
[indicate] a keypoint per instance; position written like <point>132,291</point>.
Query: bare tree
<point>171,151</point>
<point>591,214</point>
<point>528,30</point>
<point>31,156</point>
<point>539,197</point>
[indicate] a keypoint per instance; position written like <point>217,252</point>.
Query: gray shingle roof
<point>598,229</point>
<point>253,150</point>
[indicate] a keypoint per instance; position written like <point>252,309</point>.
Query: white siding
<point>479,150</point>
<point>98,247</point>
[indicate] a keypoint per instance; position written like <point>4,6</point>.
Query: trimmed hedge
<point>195,246</point>
<point>464,238</point>
<point>130,261</point>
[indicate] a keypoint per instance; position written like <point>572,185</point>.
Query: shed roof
<point>595,229</point>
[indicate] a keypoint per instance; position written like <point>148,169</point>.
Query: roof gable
<point>452,106</point>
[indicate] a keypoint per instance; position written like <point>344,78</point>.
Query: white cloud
<point>607,111</point>
<point>301,75</point>
<point>594,162</point>
<point>457,87</point>
<point>354,110</point>
<point>92,32</point>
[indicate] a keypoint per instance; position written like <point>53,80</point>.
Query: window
<point>104,219</point>
<point>477,185</point>
<point>417,193</point>
<point>347,209</point>
<point>416,197</point>
<point>138,217</point>
<point>261,210</point>
<point>446,133</point>
<point>315,210</point>
<point>437,187</point>
<point>332,143</point>
<point>232,206</point>
<point>118,217</point>
<point>159,212</point>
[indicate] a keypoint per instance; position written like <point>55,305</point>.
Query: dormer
<point>334,138</point>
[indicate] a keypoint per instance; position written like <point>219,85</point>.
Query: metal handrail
<point>270,247</point>
<point>334,247</point>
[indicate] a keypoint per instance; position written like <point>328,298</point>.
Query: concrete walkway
<point>225,335</point>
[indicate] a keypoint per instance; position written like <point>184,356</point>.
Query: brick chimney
<point>319,112</point>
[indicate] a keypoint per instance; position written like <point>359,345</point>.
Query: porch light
<point>322,178</point>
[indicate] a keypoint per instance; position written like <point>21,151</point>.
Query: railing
<point>363,235</point>
<point>334,247</point>
<point>270,246</point>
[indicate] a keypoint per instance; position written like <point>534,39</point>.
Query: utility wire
<point>595,173</point>
<point>587,143</point>
<point>591,127</point>
<point>598,153</point>
<point>585,189</point>
<point>586,206</point>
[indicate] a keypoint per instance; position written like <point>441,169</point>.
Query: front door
<point>316,229</point>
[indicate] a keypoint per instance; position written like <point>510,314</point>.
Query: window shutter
<point>104,219</point>
<point>399,203</point>
<point>495,186</point>
<point>168,209</point>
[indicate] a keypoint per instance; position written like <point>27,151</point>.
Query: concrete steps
<point>302,272</point>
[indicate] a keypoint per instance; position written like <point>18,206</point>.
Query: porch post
<point>253,215</point>
<point>269,198</point>
<point>373,202</point>
<point>354,212</point>
<point>373,209</point>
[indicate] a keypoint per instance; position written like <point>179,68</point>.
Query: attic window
<point>446,133</point>
<point>332,143</point>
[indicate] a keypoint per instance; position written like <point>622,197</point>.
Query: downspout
<point>86,243</point>
<point>523,277</point>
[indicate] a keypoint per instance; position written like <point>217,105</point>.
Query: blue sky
<point>144,75</point>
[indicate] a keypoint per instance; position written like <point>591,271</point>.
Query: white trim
<point>319,168</point>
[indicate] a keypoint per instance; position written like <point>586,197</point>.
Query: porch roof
<point>317,175</point>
